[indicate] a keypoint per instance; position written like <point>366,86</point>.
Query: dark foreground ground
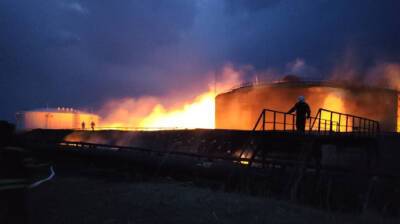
<point>93,188</point>
<point>90,199</point>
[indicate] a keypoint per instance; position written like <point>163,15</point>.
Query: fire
<point>335,103</point>
<point>198,114</point>
<point>150,113</point>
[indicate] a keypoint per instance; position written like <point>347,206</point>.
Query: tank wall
<point>398,112</point>
<point>55,120</point>
<point>33,120</point>
<point>240,108</point>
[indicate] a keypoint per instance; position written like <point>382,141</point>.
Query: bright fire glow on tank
<point>335,103</point>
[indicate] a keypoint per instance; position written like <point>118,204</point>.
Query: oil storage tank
<point>240,107</point>
<point>55,118</point>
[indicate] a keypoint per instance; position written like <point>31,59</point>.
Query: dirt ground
<point>97,200</point>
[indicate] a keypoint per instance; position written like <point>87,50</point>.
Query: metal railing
<point>120,128</point>
<point>327,120</point>
<point>275,120</point>
<point>324,121</point>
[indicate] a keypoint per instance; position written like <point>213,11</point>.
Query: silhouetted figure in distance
<point>302,113</point>
<point>83,125</point>
<point>92,124</point>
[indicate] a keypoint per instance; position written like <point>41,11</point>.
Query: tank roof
<point>310,83</point>
<point>58,110</point>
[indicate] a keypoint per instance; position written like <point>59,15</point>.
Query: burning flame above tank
<point>149,113</point>
<point>333,102</point>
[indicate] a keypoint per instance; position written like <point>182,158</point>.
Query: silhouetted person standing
<point>83,125</point>
<point>92,124</point>
<point>302,113</point>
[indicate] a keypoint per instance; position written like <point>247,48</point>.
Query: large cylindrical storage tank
<point>241,107</point>
<point>57,118</point>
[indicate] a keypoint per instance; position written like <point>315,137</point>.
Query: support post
<point>293,122</point>
<point>284,121</point>
<point>319,122</point>
<point>263,120</point>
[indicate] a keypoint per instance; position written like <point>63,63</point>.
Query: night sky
<point>82,53</point>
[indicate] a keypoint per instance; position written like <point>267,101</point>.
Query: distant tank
<point>55,118</point>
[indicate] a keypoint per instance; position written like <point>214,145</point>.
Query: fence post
<point>369,127</point>
<point>293,121</point>
<point>274,120</point>
<point>319,122</point>
<point>365,125</point>
<point>263,119</point>
<point>284,121</point>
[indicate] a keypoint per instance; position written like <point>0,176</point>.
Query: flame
<point>333,102</point>
<point>150,113</point>
<point>197,114</point>
<point>245,154</point>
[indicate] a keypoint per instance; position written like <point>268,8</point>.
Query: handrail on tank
<point>345,122</point>
<point>326,121</point>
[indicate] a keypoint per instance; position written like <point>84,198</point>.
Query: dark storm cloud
<point>82,52</point>
<point>129,33</point>
<point>321,32</point>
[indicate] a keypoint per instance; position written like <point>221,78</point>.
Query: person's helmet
<point>301,99</point>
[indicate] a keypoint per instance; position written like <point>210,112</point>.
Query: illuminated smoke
<point>152,113</point>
